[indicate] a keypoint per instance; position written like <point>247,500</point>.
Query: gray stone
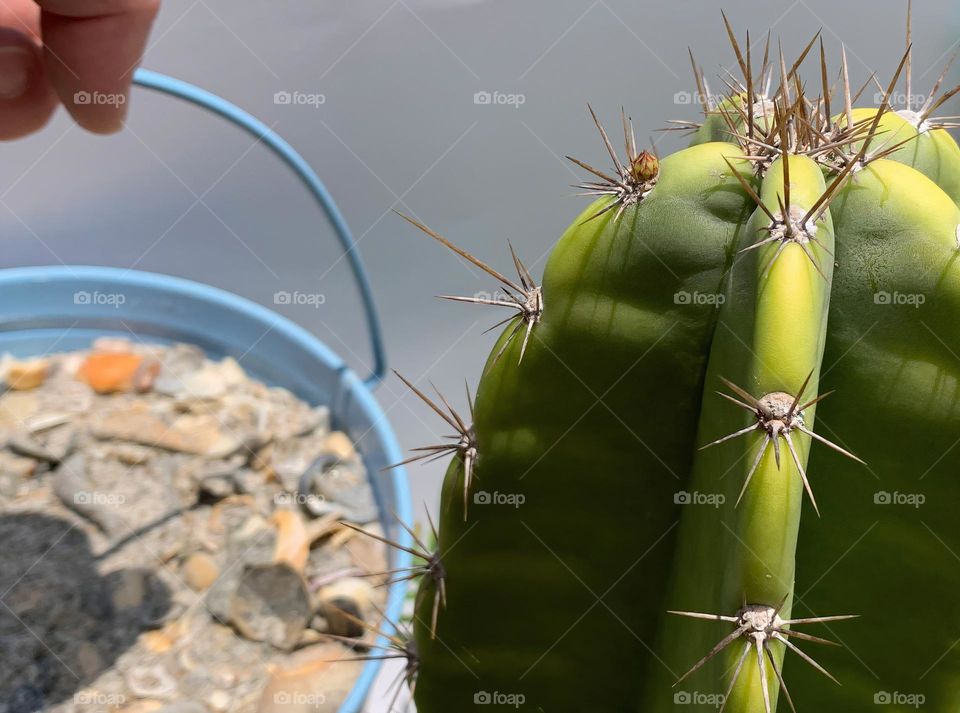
<point>104,491</point>
<point>53,445</point>
<point>331,485</point>
<point>254,543</point>
<point>271,604</point>
<point>179,361</point>
<point>137,422</point>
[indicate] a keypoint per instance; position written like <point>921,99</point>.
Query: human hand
<point>79,53</point>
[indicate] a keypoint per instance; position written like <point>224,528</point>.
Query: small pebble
<point>27,375</point>
<point>339,445</point>
<point>112,345</point>
<point>219,700</point>
<point>200,571</point>
<point>110,372</point>
<point>145,375</point>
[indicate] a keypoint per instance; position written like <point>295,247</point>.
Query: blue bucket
<point>63,308</point>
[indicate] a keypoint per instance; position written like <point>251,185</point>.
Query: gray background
<point>181,193</point>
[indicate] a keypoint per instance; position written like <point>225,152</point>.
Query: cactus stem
<point>525,297</point>
<point>758,625</point>
<point>463,441</point>
<point>634,178</point>
<point>777,414</point>
<point>431,566</point>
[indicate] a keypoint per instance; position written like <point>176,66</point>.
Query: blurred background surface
<point>386,99</point>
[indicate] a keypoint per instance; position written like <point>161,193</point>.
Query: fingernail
<point>15,65</point>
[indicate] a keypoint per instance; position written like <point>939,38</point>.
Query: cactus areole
<point>722,433</point>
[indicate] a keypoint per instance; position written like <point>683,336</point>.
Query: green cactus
<point>726,422</point>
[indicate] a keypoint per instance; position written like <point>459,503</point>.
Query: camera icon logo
<point>483,98</point>
<point>282,98</point>
<point>482,698</point>
<point>482,497</point>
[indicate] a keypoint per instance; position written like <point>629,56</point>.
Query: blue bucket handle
<point>249,123</point>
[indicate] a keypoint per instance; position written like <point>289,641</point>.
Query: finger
<point>26,101</point>
<point>91,48</point>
